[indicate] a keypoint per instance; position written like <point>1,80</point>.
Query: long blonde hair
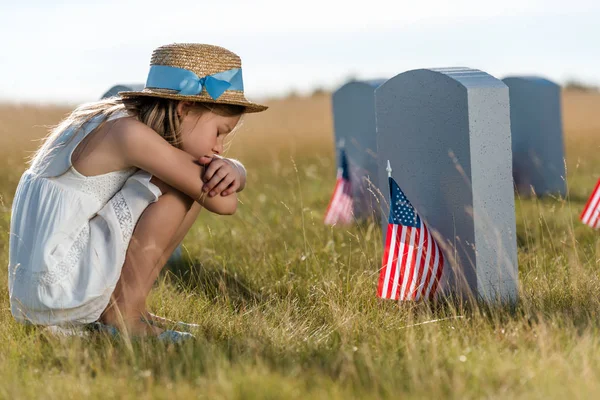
<point>157,113</point>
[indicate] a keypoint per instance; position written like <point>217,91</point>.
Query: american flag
<point>412,261</point>
<point>591,213</point>
<point>340,207</point>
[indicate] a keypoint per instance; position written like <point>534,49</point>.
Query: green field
<point>287,306</point>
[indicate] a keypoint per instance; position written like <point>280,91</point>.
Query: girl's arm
<point>143,148</point>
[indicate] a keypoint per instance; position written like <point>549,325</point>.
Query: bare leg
<point>159,230</point>
<point>184,228</point>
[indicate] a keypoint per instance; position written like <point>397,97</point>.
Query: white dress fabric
<point>69,234</point>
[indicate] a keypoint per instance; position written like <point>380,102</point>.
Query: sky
<point>73,51</point>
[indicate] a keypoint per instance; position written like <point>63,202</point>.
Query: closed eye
<point>225,132</point>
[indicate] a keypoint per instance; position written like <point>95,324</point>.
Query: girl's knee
<point>164,188</point>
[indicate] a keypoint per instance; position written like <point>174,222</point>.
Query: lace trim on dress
<point>124,217</point>
<point>103,187</point>
<point>63,268</point>
<point>70,260</point>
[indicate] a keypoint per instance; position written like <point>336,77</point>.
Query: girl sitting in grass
<point>117,185</point>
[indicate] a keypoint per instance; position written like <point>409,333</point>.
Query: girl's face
<point>202,134</point>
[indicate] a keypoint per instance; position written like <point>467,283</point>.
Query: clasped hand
<point>222,176</point>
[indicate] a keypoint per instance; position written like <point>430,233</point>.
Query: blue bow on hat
<point>190,84</point>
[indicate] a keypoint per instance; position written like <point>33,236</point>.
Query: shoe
<point>163,322</point>
<point>100,327</point>
<point>167,336</point>
<point>175,337</point>
<point>66,331</point>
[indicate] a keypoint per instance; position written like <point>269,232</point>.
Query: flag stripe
<point>591,213</point>
<point>394,264</point>
<point>340,207</point>
<point>418,266</point>
<point>421,267</point>
<point>329,215</point>
<point>438,276</point>
<point>409,269</point>
<point>413,262</point>
<point>440,270</point>
<point>402,248</point>
<point>595,218</point>
<point>432,274</point>
<point>390,249</point>
<point>421,286</point>
<point>408,265</point>
<point>597,224</point>
<point>347,212</point>
<point>591,206</point>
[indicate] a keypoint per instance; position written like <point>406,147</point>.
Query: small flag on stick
<point>412,260</point>
<point>591,213</point>
<point>340,206</point>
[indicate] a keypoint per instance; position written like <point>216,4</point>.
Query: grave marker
<point>354,124</point>
<point>113,91</point>
<point>537,136</point>
<point>447,135</point>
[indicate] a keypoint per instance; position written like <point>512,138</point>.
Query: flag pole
<point>389,169</point>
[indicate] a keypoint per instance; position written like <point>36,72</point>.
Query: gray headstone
<point>113,91</point>
<point>446,133</point>
<point>537,136</point>
<point>354,122</point>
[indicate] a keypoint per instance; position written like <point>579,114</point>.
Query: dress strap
<point>56,160</point>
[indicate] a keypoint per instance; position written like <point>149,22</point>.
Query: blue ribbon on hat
<point>187,83</point>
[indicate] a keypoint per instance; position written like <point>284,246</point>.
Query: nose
<point>218,148</point>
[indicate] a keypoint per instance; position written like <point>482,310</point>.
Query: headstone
<point>537,136</point>
<point>447,134</point>
<point>113,91</point>
<point>354,124</point>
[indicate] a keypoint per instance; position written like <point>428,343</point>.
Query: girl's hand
<point>223,176</point>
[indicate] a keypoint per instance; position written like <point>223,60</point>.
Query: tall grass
<point>287,306</point>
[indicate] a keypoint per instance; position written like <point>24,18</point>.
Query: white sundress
<point>69,234</point>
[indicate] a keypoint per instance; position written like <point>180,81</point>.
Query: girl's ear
<point>183,107</point>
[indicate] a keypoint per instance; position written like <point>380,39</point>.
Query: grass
<point>287,306</point>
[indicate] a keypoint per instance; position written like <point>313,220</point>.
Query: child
<point>116,186</point>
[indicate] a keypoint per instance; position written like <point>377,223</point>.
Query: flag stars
<point>402,212</point>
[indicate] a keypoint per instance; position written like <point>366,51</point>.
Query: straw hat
<point>196,72</point>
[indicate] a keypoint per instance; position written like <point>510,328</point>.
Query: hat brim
<point>228,97</point>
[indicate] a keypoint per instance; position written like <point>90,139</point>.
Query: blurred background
<point>57,54</point>
<point>74,50</point>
